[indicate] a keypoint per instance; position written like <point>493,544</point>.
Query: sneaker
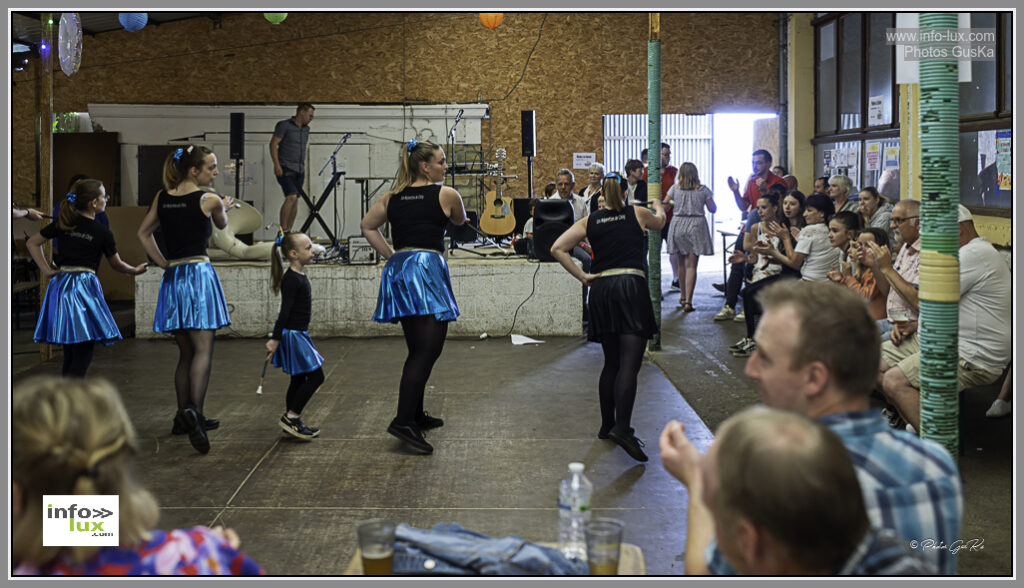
<point>412,436</point>
<point>296,428</point>
<point>741,317</point>
<point>894,418</point>
<point>426,422</point>
<point>998,409</point>
<point>739,344</point>
<point>190,421</point>
<point>725,314</point>
<point>746,350</point>
<point>674,287</point>
<point>630,443</point>
<point>719,287</point>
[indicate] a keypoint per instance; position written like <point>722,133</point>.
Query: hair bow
<point>279,240</point>
<point>613,175</point>
<point>71,196</point>
<point>177,154</point>
<point>412,145</point>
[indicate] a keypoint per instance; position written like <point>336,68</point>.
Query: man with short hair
<point>565,181</point>
<point>288,152</point>
<point>984,333</point>
<point>821,185</point>
<point>900,277</point>
<point>784,499</point>
<point>758,185</point>
<point>668,177</point>
<point>816,345</point>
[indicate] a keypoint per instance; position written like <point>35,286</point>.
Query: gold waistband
<point>622,271</point>
<point>406,249</point>
<point>184,260</point>
<point>77,268</point>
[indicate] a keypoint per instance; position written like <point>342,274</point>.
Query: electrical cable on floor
<point>532,290</point>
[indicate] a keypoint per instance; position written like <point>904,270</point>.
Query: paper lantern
<point>69,43</point>
<point>275,17</point>
<point>132,21</point>
<point>491,19</point>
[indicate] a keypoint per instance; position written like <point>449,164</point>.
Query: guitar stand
<point>314,209</point>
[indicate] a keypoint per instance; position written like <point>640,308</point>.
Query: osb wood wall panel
<point>584,65</point>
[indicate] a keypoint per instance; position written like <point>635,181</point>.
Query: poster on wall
<point>875,110</point>
<point>583,160</point>
<point>1004,159</point>
<point>892,157</point>
<point>872,156</point>
<point>828,162</point>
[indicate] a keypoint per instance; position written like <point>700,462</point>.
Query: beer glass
<point>377,545</point>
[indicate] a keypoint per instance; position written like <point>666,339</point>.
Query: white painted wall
<point>378,132</point>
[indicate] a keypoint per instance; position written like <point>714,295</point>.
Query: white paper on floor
<point>523,340</point>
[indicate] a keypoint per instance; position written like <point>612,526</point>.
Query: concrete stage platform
<point>515,416</point>
<point>488,291</point>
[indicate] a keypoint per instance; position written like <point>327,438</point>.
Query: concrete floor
<point>515,416</point>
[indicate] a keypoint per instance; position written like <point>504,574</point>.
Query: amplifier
<point>360,252</point>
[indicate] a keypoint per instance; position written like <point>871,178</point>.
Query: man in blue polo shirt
<point>288,151</point>
<point>816,344</point>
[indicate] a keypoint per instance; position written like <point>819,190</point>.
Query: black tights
<point>623,355</point>
<point>77,357</point>
<point>424,337</point>
<point>195,357</point>
<point>301,389</point>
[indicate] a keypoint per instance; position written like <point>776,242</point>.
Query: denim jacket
<point>450,549</point>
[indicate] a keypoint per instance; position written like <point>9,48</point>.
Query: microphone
<point>458,117</point>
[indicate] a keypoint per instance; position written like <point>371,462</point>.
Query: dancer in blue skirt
<point>74,313</point>
<point>415,288</point>
<point>191,301</point>
<point>290,346</point>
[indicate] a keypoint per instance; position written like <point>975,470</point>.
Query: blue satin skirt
<point>415,283</point>
<point>74,311</point>
<point>190,298</point>
<point>296,353</point>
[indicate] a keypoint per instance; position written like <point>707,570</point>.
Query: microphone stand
<point>333,161</point>
<point>451,145</point>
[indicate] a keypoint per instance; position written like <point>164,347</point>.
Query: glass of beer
<point>899,317</point>
<point>377,545</point>
<point>604,538</point>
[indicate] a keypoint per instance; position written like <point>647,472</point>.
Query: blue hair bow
<point>177,154</point>
<point>613,175</point>
<point>412,145</point>
<point>71,196</point>
<point>279,240</point>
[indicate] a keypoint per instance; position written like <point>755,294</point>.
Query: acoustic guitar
<point>497,218</point>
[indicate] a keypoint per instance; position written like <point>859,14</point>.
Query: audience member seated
<point>812,256</point>
<point>633,186</point>
<point>549,190</point>
<point>816,345</point>
<point>899,277</point>
<point>783,496</point>
<point>839,189</point>
<point>74,437</point>
<point>592,191</point>
<point>985,331</point>
<point>842,230</point>
<point>875,210</point>
<point>1002,405</point>
<point>859,278</point>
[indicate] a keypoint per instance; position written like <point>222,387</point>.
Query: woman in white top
<point>592,191</point>
<point>813,255</point>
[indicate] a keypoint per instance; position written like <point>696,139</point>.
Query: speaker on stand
<point>529,146</point>
<point>238,147</point>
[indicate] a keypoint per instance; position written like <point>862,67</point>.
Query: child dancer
<point>290,346</point>
<point>74,313</point>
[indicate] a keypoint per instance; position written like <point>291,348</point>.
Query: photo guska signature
<point>954,548</point>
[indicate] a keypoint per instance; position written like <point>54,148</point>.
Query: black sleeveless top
<point>83,246</point>
<point>417,219</point>
<point>616,238</point>
<point>184,226</point>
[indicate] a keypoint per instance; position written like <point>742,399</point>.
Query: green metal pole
<point>654,169</point>
<point>940,265</point>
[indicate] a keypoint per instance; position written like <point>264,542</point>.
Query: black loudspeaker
<point>463,233</point>
<point>237,135</point>
<point>551,218</point>
<point>529,134</point>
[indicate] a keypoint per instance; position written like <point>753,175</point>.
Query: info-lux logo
<point>80,520</point>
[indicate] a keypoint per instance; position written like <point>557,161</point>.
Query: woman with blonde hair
<point>73,437</point>
<point>689,236</point>
<point>621,313</point>
<point>415,287</point>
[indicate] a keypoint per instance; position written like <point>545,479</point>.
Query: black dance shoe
<point>189,420</point>
<point>208,424</point>
<point>630,443</point>
<point>426,422</point>
<point>412,436</point>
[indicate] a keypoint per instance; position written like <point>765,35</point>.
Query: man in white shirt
<point>565,181</point>
<point>985,327</point>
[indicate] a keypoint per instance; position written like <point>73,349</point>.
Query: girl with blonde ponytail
<point>415,288</point>
<point>74,312</point>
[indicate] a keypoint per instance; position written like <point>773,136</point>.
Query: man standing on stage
<point>288,151</point>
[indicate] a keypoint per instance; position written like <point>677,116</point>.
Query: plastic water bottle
<point>574,494</point>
